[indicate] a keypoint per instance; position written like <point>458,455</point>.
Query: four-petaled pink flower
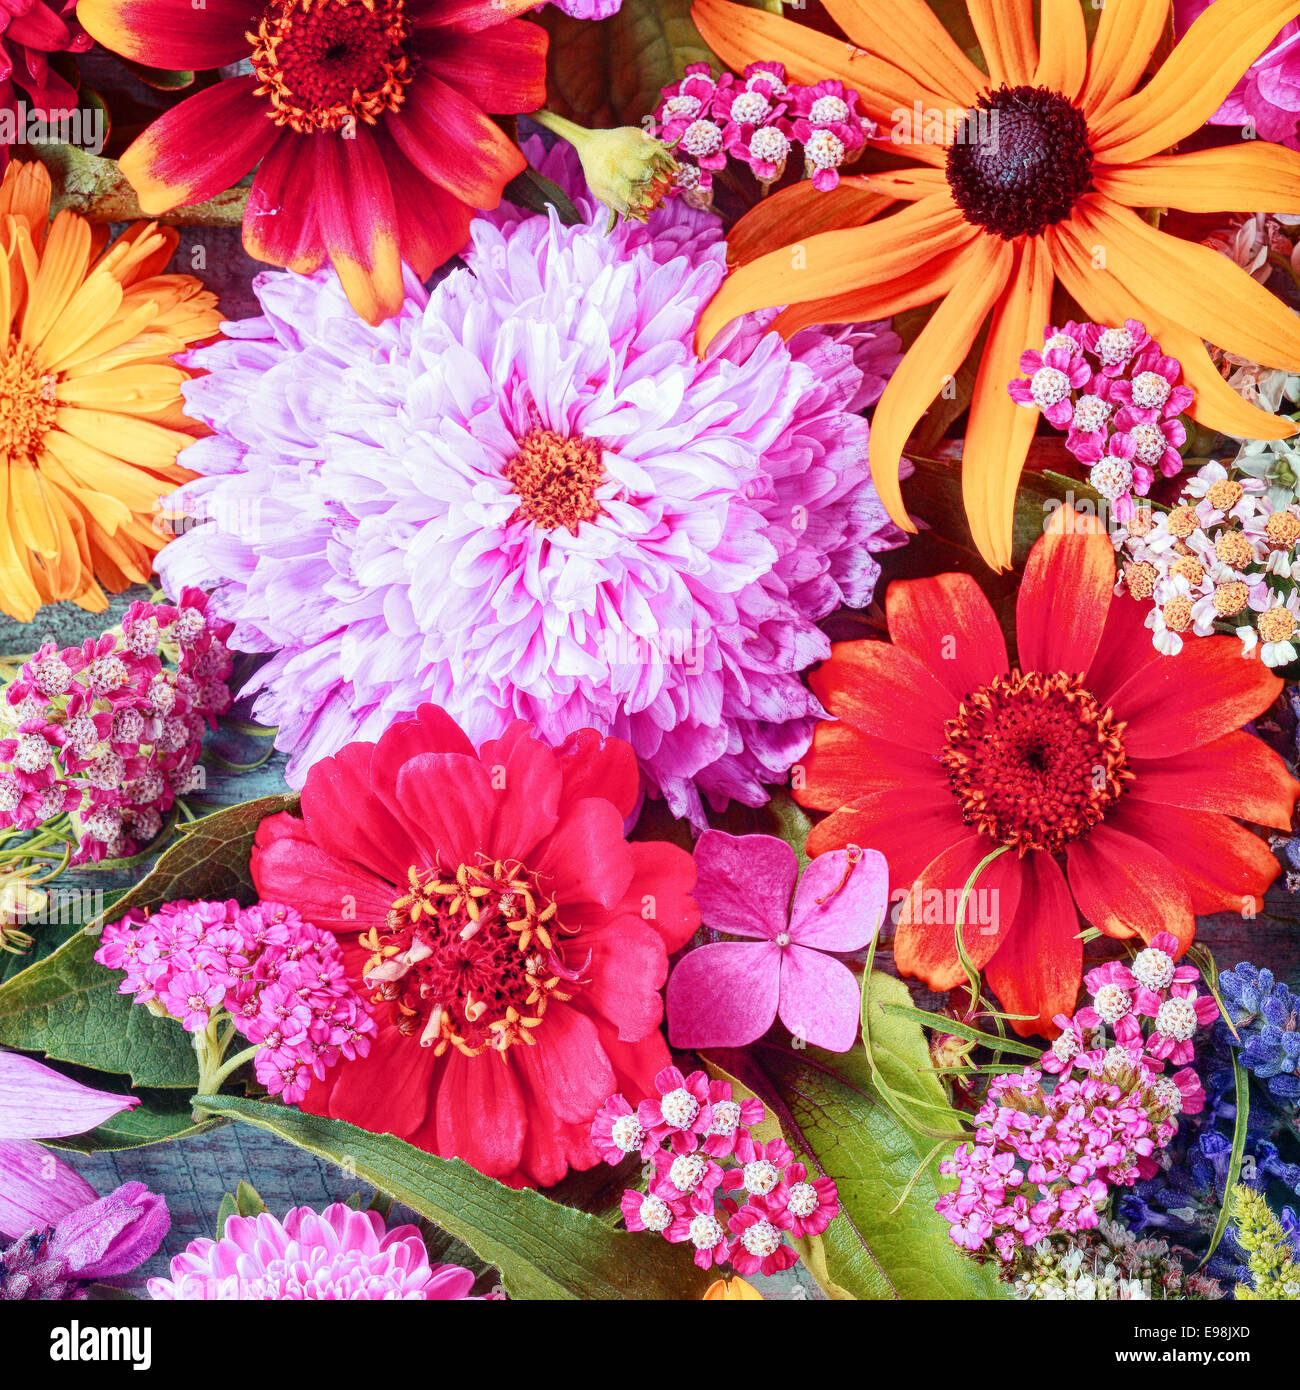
<point>728,993</point>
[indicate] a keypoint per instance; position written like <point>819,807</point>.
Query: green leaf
<point>609,73</point>
<point>1241,1082</point>
<point>209,860</point>
<point>901,1055</point>
<point>247,1200</point>
<point>542,1249</point>
<point>536,193</point>
<point>67,1007</point>
<point>888,1242</point>
<point>228,1208</point>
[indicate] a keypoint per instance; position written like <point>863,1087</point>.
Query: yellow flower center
<point>27,402</point>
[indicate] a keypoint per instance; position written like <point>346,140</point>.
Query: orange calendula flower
<point>731,1291</point>
<point>1027,175</point>
<point>90,399</point>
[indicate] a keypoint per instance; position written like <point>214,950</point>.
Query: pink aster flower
<point>762,1167</point>
<point>758,1245</point>
<point>728,993</point>
<point>1115,346</point>
<point>336,1254</point>
<point>679,1111</point>
<point>1177,1018</point>
<point>801,1205</point>
<point>616,1132</point>
<point>700,1223</point>
<point>679,1176</point>
<point>1053,375</point>
<point>526,497</point>
<point>729,1119</point>
<point>646,1211</point>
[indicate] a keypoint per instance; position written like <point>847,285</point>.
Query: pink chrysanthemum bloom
<point>336,1254</point>
<point>526,497</point>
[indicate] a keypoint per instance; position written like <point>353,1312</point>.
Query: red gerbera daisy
<point>514,941</point>
<point>1110,769</point>
<point>367,117</point>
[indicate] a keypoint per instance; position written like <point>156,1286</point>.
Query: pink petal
<point>821,1000</point>
<point>744,884</point>
<point>850,915</point>
<point>36,1188</point>
<point>37,1102</point>
<point>724,995</point>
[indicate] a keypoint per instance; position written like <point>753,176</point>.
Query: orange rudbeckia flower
<point>1035,178</point>
<point>1111,771</point>
<point>90,399</point>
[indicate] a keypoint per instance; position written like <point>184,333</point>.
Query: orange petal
<point>1255,176</point>
<point>766,226</point>
<point>947,623</point>
<point>1237,775</point>
<point>1192,83</point>
<point>1216,405</point>
<point>1063,52</point>
<point>1124,887</point>
<point>1192,284</point>
<point>998,431</point>
<point>1127,34</point>
<point>741,34</point>
<point>863,683</point>
<point>832,263</point>
<point>909,34</point>
<point>909,185</point>
<point>933,358</point>
<point>923,284</point>
<point>1005,29</point>
<point>1052,635</point>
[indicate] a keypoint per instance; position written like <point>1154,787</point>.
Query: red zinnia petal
<point>173,34</point>
<point>908,828</point>
<point>280,224</point>
<point>1063,601</point>
<point>1186,701</point>
<point>947,623</point>
<point>1238,775</point>
<point>925,943</point>
<point>388,1090</point>
<point>844,764</point>
<point>528,774</point>
<point>449,140</point>
<point>358,221</point>
<point>1226,868</point>
<point>663,876</point>
<point>594,765</point>
<point>587,859</point>
<point>1123,886</point>
<point>1038,968</point>
<point>502,69</point>
<point>868,685</point>
<point>627,969</point>
<point>176,161</point>
<point>434,225</point>
<point>447,804</point>
<point>471,16</point>
<point>481,1116</point>
<point>571,1065</point>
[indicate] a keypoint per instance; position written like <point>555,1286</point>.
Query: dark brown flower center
<point>556,479</point>
<point>1020,161</point>
<point>470,960</point>
<point>327,64</point>
<point>27,403</point>
<point>1034,760</point>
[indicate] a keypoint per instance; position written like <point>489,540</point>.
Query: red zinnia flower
<point>1111,769</point>
<point>514,940</point>
<point>30,32</point>
<point>367,117</point>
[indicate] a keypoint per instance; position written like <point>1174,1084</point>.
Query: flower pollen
<point>556,479</point>
<point>27,403</point>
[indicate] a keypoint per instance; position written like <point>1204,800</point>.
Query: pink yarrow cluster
<point>110,731</point>
<point>280,981</point>
<point>696,1138</point>
<point>1046,1154</point>
<point>758,119</point>
<point>1117,396</point>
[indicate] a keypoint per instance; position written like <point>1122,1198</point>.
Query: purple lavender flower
<point>526,497</point>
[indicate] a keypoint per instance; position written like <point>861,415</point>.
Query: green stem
<point>972,975</point>
<point>227,1068</point>
<point>558,125</point>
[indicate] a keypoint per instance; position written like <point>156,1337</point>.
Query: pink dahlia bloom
<point>526,497</point>
<point>1268,97</point>
<point>335,1254</point>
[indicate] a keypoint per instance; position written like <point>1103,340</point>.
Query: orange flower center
<point>556,479</point>
<point>469,960</point>
<point>1034,760</point>
<point>1020,161</point>
<point>27,403</point>
<point>326,64</point>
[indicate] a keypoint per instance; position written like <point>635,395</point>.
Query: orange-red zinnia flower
<point>1035,180</point>
<point>90,399</point>
<point>1111,770</point>
<point>367,118</point>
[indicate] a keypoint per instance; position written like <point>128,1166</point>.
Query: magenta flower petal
<point>37,1188</point>
<point>840,904</point>
<point>745,882</point>
<point>37,1102</point>
<point>110,1236</point>
<point>724,995</point>
<point>820,1001</point>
